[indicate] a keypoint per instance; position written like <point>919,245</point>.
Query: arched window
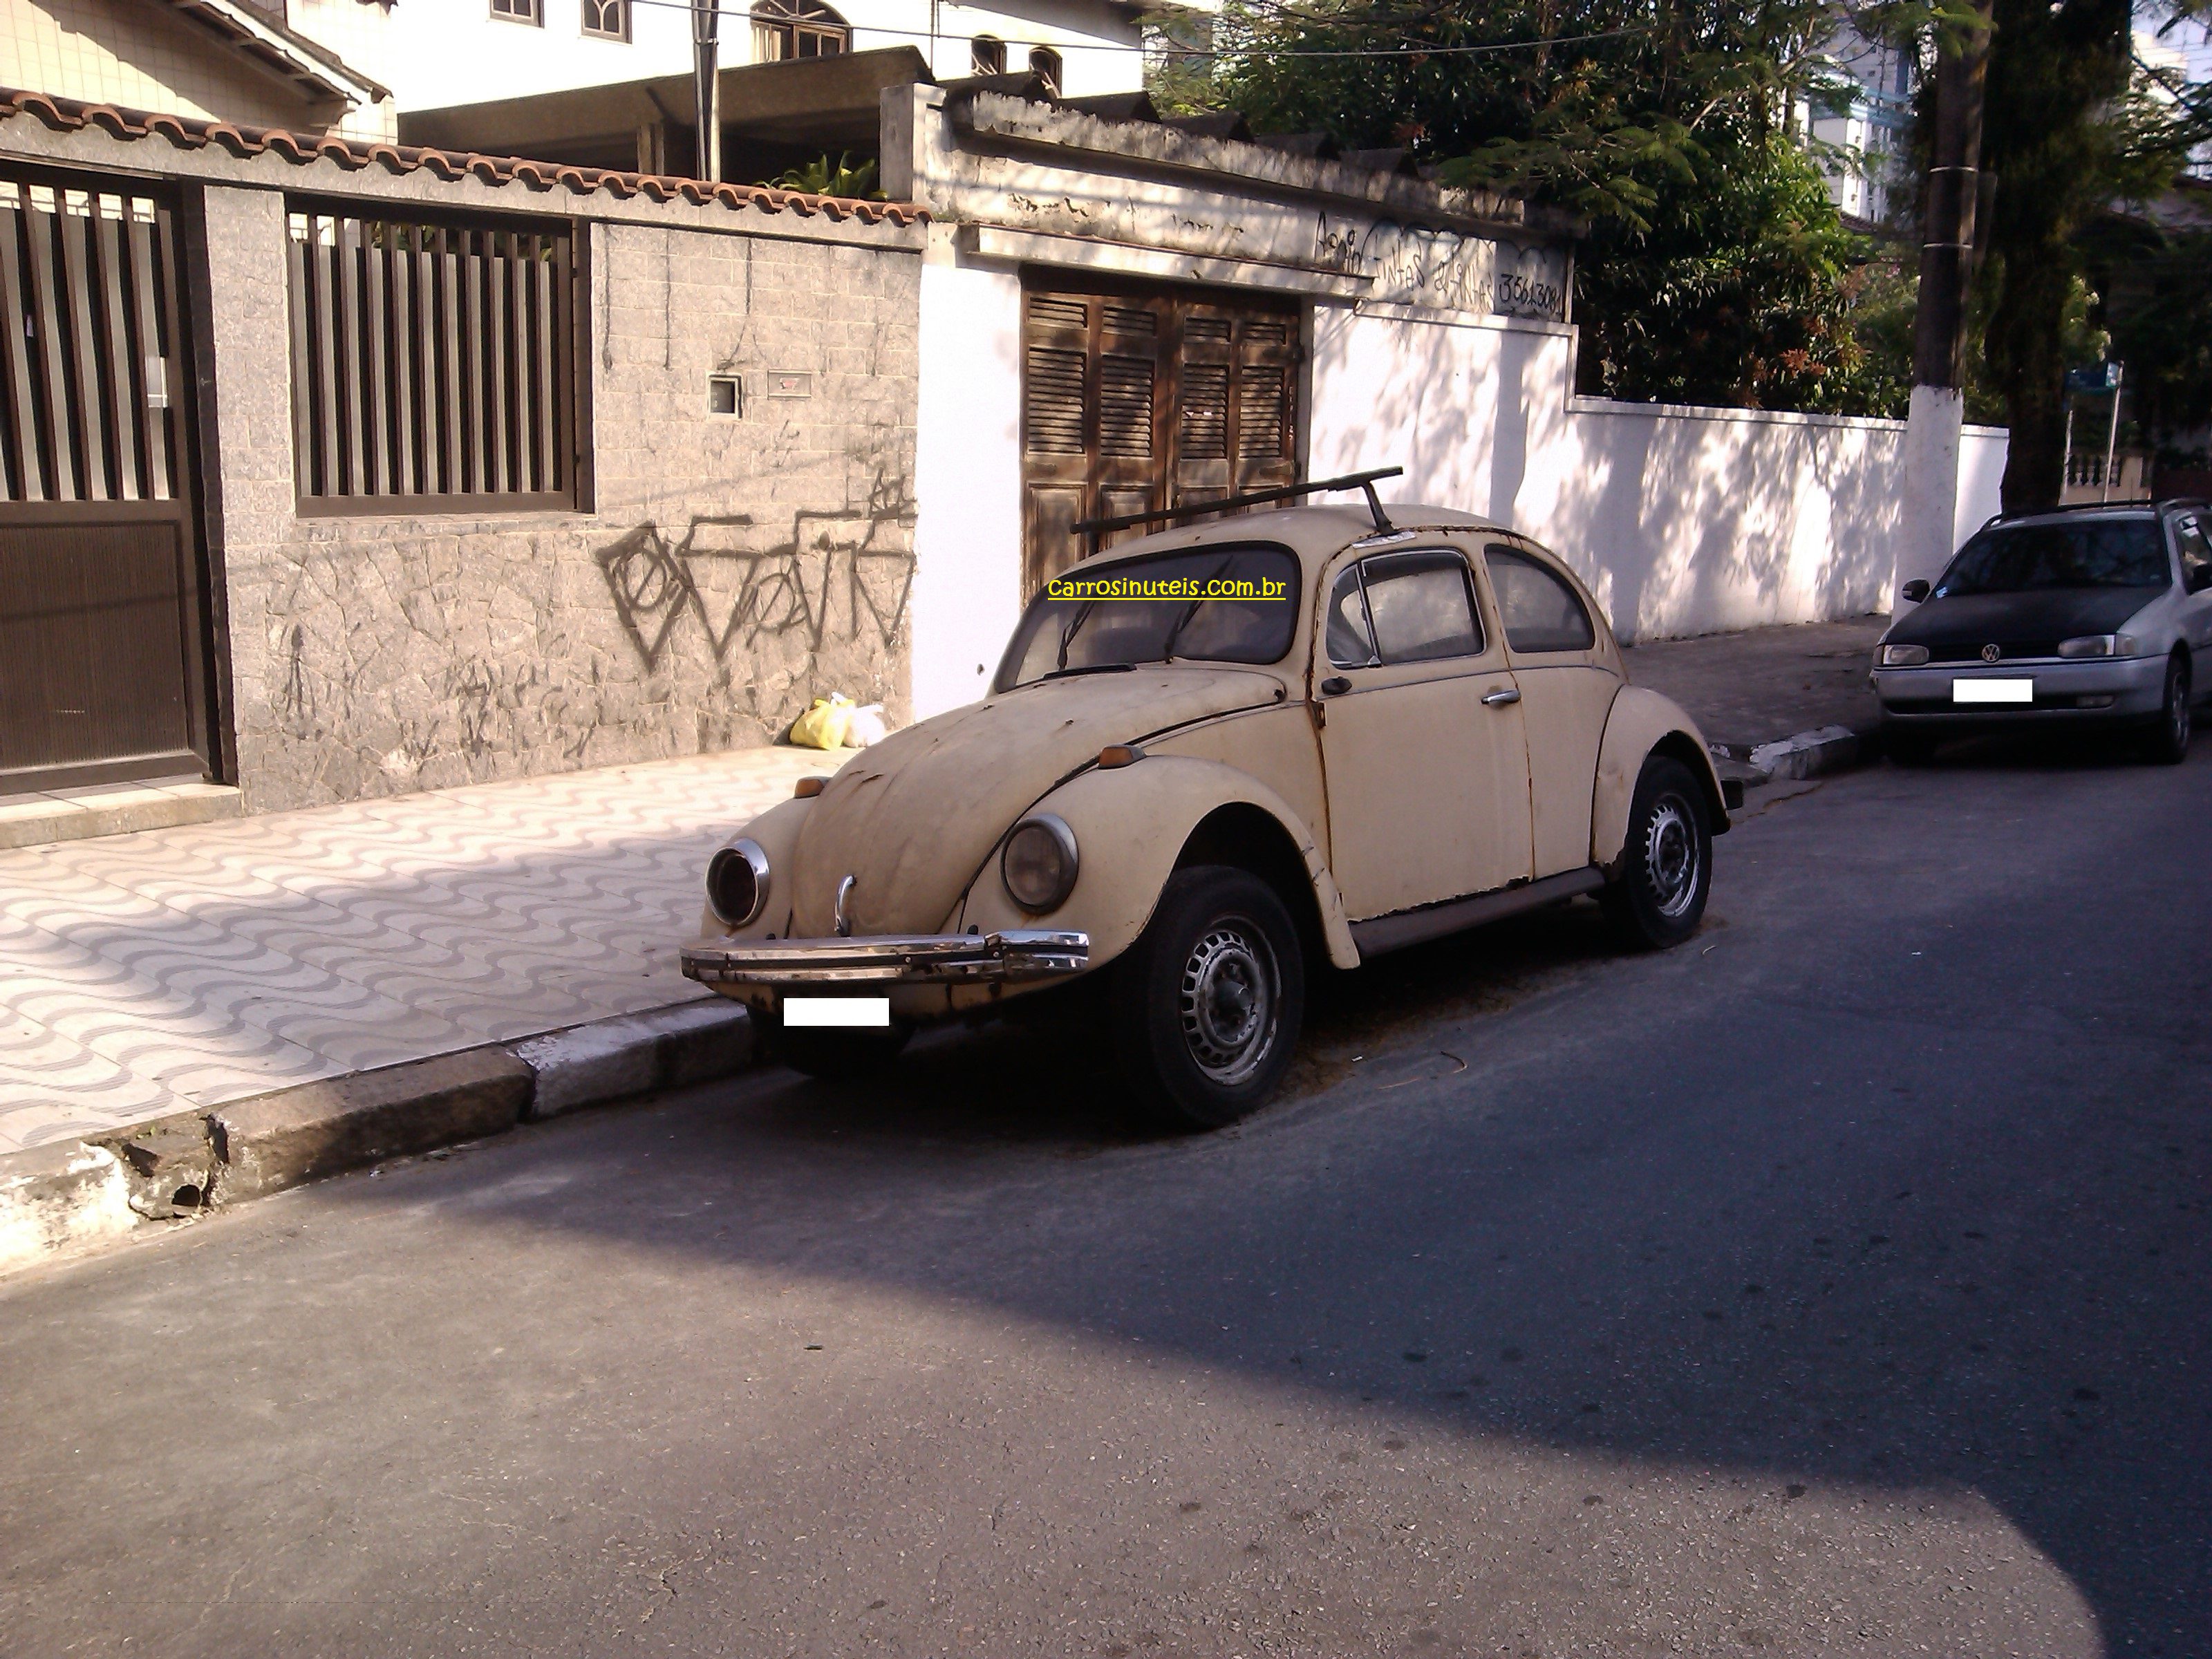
<point>798,28</point>
<point>987,54</point>
<point>1044,64</point>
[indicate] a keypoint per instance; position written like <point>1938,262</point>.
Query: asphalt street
<point>1839,1282</point>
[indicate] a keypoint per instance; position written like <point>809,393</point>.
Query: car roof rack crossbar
<point>2136,503</point>
<point>1094,528</point>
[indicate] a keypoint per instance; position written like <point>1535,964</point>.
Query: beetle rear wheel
<point>1208,1004</point>
<point>1658,897</point>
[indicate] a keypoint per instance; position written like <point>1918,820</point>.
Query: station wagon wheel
<point>2169,738</point>
<point>1207,1004</point>
<point>1657,896</point>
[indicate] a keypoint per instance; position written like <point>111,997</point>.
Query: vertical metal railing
<point>431,365</point>
<point>85,352</point>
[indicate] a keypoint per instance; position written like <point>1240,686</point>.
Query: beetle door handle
<point>1503,694</point>
<point>1335,685</point>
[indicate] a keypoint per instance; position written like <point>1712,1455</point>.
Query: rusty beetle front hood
<point>912,819</point>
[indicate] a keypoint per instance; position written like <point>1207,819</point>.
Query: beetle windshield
<point>2018,558</point>
<point>1234,604</point>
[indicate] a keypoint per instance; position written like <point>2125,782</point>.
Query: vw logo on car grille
<point>1990,654</point>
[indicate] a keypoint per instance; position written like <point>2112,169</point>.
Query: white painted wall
<point>968,477</point>
<point>443,52</point>
<point>1682,520</point>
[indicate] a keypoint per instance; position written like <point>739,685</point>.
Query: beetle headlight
<point>737,883</point>
<point>1039,863</point>
<point>1904,656</point>
<point>2099,645</point>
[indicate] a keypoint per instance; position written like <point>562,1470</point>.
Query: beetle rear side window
<point>1539,612</point>
<point>1421,606</point>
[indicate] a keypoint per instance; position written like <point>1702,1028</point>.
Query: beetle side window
<point>1539,612</point>
<point>1351,643</point>
<point>2195,552</point>
<point>1421,605</point>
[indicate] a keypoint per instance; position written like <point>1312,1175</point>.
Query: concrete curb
<point>1815,754</point>
<point>76,1197</point>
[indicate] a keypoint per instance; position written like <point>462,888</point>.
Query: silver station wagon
<point>2096,616</point>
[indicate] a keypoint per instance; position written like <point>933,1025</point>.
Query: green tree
<point>1716,269</point>
<point>2066,128</point>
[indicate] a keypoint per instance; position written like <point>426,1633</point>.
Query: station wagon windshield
<point>2081,553</point>
<point>1232,604</point>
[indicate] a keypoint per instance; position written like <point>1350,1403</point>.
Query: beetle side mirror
<point>1335,686</point>
<point>1914,590</point>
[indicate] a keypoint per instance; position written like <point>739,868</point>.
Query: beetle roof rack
<point>1094,528</point>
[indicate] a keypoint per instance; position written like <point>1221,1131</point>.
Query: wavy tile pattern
<point>153,973</point>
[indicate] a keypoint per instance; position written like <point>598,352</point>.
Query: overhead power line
<point>1183,51</point>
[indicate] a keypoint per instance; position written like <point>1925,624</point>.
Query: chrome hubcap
<point>1671,854</point>
<point>1228,1000</point>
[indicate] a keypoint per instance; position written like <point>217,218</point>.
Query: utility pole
<point>2112,432</point>
<point>706,17</point>
<point>1948,198</point>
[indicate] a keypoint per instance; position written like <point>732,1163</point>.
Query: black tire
<point>1658,896</point>
<point>1204,1009</point>
<point>835,1053</point>
<point>2168,742</point>
<point>1908,748</point>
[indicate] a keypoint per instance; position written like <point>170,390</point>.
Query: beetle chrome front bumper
<point>1018,953</point>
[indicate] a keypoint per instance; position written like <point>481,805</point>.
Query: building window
<point>1044,64</point>
<point>987,54</point>
<point>518,11</point>
<point>605,20</point>
<point>798,28</point>
<point>433,365</point>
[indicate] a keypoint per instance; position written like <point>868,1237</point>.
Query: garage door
<point>1137,399</point>
<point>102,590</point>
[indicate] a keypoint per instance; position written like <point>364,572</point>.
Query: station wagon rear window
<point>1223,604</point>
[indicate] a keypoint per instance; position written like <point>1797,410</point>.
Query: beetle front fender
<point>1130,825</point>
<point>777,831</point>
<point>1642,722</point>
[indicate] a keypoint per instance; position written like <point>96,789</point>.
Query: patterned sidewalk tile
<point>145,974</point>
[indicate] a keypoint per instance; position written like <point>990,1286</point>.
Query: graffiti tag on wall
<point>1420,266</point>
<point>736,598</point>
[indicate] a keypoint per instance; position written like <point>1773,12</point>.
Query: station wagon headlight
<point>2099,644</point>
<point>1038,865</point>
<point>1904,656</point>
<point>737,883</point>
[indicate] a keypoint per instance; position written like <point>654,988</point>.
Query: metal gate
<point>103,593</point>
<point>1135,397</point>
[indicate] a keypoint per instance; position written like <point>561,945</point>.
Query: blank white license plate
<point>837,1010</point>
<point>1992,691</point>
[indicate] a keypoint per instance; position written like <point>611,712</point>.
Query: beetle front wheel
<point>1208,1004</point>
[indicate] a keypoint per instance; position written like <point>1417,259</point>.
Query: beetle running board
<point>1403,927</point>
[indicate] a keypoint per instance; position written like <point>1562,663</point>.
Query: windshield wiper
<point>1090,668</point>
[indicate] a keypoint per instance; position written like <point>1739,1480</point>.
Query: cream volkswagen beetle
<point>1209,760</point>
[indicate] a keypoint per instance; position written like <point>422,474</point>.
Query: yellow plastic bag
<point>824,726</point>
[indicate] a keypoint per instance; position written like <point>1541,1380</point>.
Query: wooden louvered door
<point>103,589</point>
<point>1137,399</point>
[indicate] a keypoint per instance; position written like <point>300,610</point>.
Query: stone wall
<point>730,570</point>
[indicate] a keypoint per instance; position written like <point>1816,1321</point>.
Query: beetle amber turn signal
<point>809,786</point>
<point>1119,754</point>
